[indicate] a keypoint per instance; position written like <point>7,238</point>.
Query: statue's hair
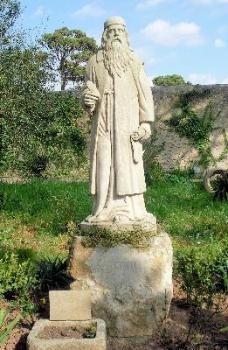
<point>104,37</point>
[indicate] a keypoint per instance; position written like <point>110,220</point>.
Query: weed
<point>52,273</point>
<point>6,325</point>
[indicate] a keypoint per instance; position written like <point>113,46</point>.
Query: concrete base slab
<point>148,224</point>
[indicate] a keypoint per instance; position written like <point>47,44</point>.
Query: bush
<point>52,273</point>
<point>188,124</point>
<point>17,279</point>
<point>33,118</point>
<point>203,272</point>
<point>37,164</point>
<point>2,200</point>
<point>169,80</point>
<point>154,173</point>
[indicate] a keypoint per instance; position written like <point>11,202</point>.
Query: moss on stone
<point>107,238</point>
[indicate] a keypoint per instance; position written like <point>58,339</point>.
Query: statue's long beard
<point>117,57</point>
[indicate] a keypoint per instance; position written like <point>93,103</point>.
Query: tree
<point>23,80</point>
<point>38,126</point>
<point>9,12</point>
<point>169,80</point>
<point>69,51</point>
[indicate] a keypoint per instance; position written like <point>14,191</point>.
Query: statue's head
<point>115,31</point>
<point>117,56</point>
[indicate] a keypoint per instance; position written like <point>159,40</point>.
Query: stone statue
<point>118,97</point>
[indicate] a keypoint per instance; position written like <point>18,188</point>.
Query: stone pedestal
<point>131,289</point>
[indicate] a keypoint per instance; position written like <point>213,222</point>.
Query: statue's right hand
<point>89,98</point>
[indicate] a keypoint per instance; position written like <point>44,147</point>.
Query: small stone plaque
<point>70,305</point>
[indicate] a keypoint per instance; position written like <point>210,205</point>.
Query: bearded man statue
<point>118,97</point>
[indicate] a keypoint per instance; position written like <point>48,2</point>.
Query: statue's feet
<point>121,219</point>
<point>103,216</point>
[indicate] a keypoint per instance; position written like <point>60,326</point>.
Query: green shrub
<point>2,199</point>
<point>197,129</point>
<point>203,272</point>
<point>17,279</point>
<point>169,80</point>
<point>37,164</point>
<point>154,173</point>
<point>33,118</point>
<point>188,124</point>
<point>52,273</point>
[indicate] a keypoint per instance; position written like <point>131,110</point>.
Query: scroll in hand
<point>90,96</point>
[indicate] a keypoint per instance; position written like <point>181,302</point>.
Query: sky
<point>187,37</point>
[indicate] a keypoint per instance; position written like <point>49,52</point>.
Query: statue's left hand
<point>143,132</point>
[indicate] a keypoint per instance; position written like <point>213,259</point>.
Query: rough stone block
<point>37,342</point>
<point>70,305</point>
<point>131,289</point>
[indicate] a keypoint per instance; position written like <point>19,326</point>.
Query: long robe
<point>125,103</point>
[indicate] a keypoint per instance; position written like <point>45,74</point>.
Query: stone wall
<point>175,152</point>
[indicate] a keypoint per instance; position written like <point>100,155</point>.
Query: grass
<point>186,211</point>
<point>38,216</point>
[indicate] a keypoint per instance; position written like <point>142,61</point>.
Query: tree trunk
<point>63,83</point>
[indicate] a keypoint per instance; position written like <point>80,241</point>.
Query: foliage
<point>195,94</point>
<point>37,163</point>
<point>2,200</point>
<point>22,102</point>
<point>17,279</point>
<point>216,181</point>
<point>187,123</point>
<point>169,80</point>
<point>153,173</point>
<point>34,118</point>
<point>6,325</point>
<point>90,332</point>
<point>52,273</point>
<point>221,187</point>
<point>9,12</point>
<point>69,51</point>
<point>203,272</point>
<point>153,170</point>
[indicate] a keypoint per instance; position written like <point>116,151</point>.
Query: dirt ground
<point>186,328</point>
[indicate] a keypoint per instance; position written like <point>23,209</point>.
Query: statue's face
<point>116,32</point>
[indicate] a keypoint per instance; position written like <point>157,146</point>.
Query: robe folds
<point>125,103</point>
